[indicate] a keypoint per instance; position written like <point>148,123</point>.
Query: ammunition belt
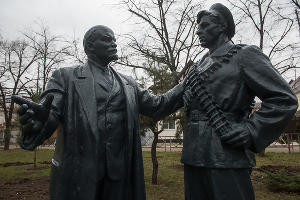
<point>195,89</point>
<point>196,115</point>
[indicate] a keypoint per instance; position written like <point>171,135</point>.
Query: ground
<point>25,189</point>
<point>19,180</point>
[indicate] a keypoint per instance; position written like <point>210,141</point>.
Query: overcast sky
<point>64,17</point>
<point>67,18</point>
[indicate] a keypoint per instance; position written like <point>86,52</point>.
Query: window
<point>169,124</point>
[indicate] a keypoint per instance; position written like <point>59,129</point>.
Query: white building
<point>169,133</point>
<point>14,131</point>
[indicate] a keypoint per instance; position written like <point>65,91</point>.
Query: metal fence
<point>287,142</point>
<point>166,144</point>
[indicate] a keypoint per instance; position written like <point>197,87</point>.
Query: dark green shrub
<point>283,182</point>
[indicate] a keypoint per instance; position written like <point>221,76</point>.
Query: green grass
<point>170,178</point>
<point>23,171</point>
<point>292,159</point>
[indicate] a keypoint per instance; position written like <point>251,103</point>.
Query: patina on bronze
<point>98,150</point>
<point>220,137</point>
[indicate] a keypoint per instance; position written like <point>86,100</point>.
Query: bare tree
<point>75,51</point>
<point>16,59</point>
<point>166,34</point>
<point>3,68</point>
<point>161,79</point>
<point>164,42</point>
<point>272,26</point>
<point>296,4</point>
<point>52,50</point>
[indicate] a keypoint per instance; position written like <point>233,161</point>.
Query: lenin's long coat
<point>74,107</point>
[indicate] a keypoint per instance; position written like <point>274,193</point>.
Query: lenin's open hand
<point>238,137</point>
<point>33,115</point>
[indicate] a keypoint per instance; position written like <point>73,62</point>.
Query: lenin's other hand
<point>33,115</point>
<point>238,137</point>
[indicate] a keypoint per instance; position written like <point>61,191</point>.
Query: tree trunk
<point>7,136</point>
<point>298,19</point>
<point>154,159</point>
<point>262,153</point>
<point>34,158</point>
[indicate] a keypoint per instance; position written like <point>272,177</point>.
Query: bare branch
<point>273,25</point>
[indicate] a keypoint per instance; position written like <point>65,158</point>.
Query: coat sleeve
<point>160,106</point>
<point>55,87</point>
<point>279,103</point>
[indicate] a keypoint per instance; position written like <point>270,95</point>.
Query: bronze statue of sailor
<point>220,137</point>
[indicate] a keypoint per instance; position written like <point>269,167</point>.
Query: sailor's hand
<point>239,137</point>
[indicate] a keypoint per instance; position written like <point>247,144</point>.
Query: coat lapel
<point>116,86</point>
<point>86,90</point>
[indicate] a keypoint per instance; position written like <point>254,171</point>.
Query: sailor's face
<point>208,31</point>
<point>105,46</point>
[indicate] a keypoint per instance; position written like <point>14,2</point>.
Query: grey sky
<point>67,17</point>
<point>64,17</point>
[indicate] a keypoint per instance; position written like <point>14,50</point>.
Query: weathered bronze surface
<point>98,150</point>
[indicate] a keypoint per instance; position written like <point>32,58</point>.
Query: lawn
<point>17,165</point>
